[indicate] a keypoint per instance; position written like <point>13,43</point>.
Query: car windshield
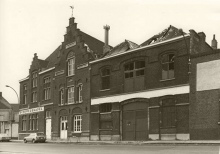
<point>40,134</point>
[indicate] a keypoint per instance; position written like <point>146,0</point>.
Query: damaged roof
<point>166,34</point>
<point>122,47</point>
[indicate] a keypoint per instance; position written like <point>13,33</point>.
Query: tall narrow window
<point>25,94</point>
<point>30,122</point>
<point>71,66</point>
<point>36,121</point>
<point>24,123</point>
<point>77,124</point>
<point>47,91</point>
<point>62,96</point>
<point>105,78</point>
<point>70,95</point>
<point>79,93</point>
<point>34,96</point>
<point>167,62</point>
<point>34,79</point>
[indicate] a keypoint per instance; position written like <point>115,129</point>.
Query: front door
<point>135,125</point>
<point>48,128</point>
<point>63,127</point>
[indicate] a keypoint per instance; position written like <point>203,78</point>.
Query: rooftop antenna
<point>72,10</point>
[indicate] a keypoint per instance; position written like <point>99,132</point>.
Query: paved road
<point>57,148</point>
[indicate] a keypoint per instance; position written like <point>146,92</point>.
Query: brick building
<point>141,92</point>
<point>55,96</point>
<point>205,95</point>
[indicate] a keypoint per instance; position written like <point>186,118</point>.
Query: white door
<point>48,129</point>
<point>63,127</point>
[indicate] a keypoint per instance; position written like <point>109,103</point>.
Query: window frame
<point>24,123</point>
<point>71,66</point>
<point>133,70</point>
<point>79,93</point>
<point>70,100</point>
<point>77,128</point>
<point>105,108</point>
<point>61,96</point>
<point>34,97</point>
<point>34,79</point>
<point>167,64</point>
<point>104,78</point>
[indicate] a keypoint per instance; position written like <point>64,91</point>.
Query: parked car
<point>4,137</point>
<point>35,137</point>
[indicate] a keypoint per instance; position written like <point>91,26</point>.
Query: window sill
<point>70,75</point>
<point>167,79</point>
<point>77,132</point>
<point>105,112</point>
<point>104,90</point>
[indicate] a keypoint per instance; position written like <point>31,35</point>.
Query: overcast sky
<point>38,26</point>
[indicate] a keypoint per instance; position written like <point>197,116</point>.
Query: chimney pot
<point>214,42</point>
<point>106,46</point>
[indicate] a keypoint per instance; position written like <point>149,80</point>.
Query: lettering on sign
<point>59,72</point>
<point>33,110</point>
<point>70,45</point>
<point>82,66</point>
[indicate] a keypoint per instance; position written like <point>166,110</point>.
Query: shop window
<point>107,107</point>
<point>167,62</point>
<point>77,122</point>
<point>105,78</point>
<point>168,113</point>
<point>70,95</point>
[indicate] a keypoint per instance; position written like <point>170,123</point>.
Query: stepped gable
<point>166,34</point>
<point>122,47</point>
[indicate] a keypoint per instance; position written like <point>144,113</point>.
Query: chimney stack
<point>214,42</point>
<point>106,46</point>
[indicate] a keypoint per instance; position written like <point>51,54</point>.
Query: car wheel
<point>25,141</point>
<point>33,141</point>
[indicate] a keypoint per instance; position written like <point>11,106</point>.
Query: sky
<point>38,26</point>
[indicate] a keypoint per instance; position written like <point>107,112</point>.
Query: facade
<point>204,97</point>
<point>55,97</point>
<point>8,118</point>
<point>141,92</point>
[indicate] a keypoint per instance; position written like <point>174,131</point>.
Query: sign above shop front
<point>33,110</point>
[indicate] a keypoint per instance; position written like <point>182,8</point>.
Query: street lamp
<point>12,108</point>
<point>14,91</point>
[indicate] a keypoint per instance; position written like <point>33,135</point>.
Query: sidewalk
<point>174,142</point>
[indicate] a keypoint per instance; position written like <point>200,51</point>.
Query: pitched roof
<point>122,47</point>
<point>166,34</point>
<point>15,107</point>
<point>52,58</point>
<point>4,104</point>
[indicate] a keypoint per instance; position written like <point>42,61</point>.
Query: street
<point>58,148</point>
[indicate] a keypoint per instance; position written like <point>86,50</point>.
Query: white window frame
<point>47,93</point>
<point>77,128</point>
<point>71,66</point>
<point>25,99</point>
<point>70,99</point>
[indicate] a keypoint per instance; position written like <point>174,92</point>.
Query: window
<point>168,113</point>
<point>71,66</point>
<point>107,107</point>
<point>30,122</point>
<point>134,69</point>
<point>25,94</point>
<point>77,124</point>
<point>105,78</point>
<point>23,126</point>
<point>70,95</point>
<point>34,96</point>
<point>34,79</point>
<point>134,76</point>
<point>36,121</point>
<point>47,91</point>
<point>48,114</point>
<point>79,93</point>
<point>62,96</point>
<point>167,62</point>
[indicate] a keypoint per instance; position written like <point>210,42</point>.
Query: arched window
<point>167,62</point>
<point>105,78</point>
<point>70,64</point>
<point>79,93</point>
<point>62,96</point>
